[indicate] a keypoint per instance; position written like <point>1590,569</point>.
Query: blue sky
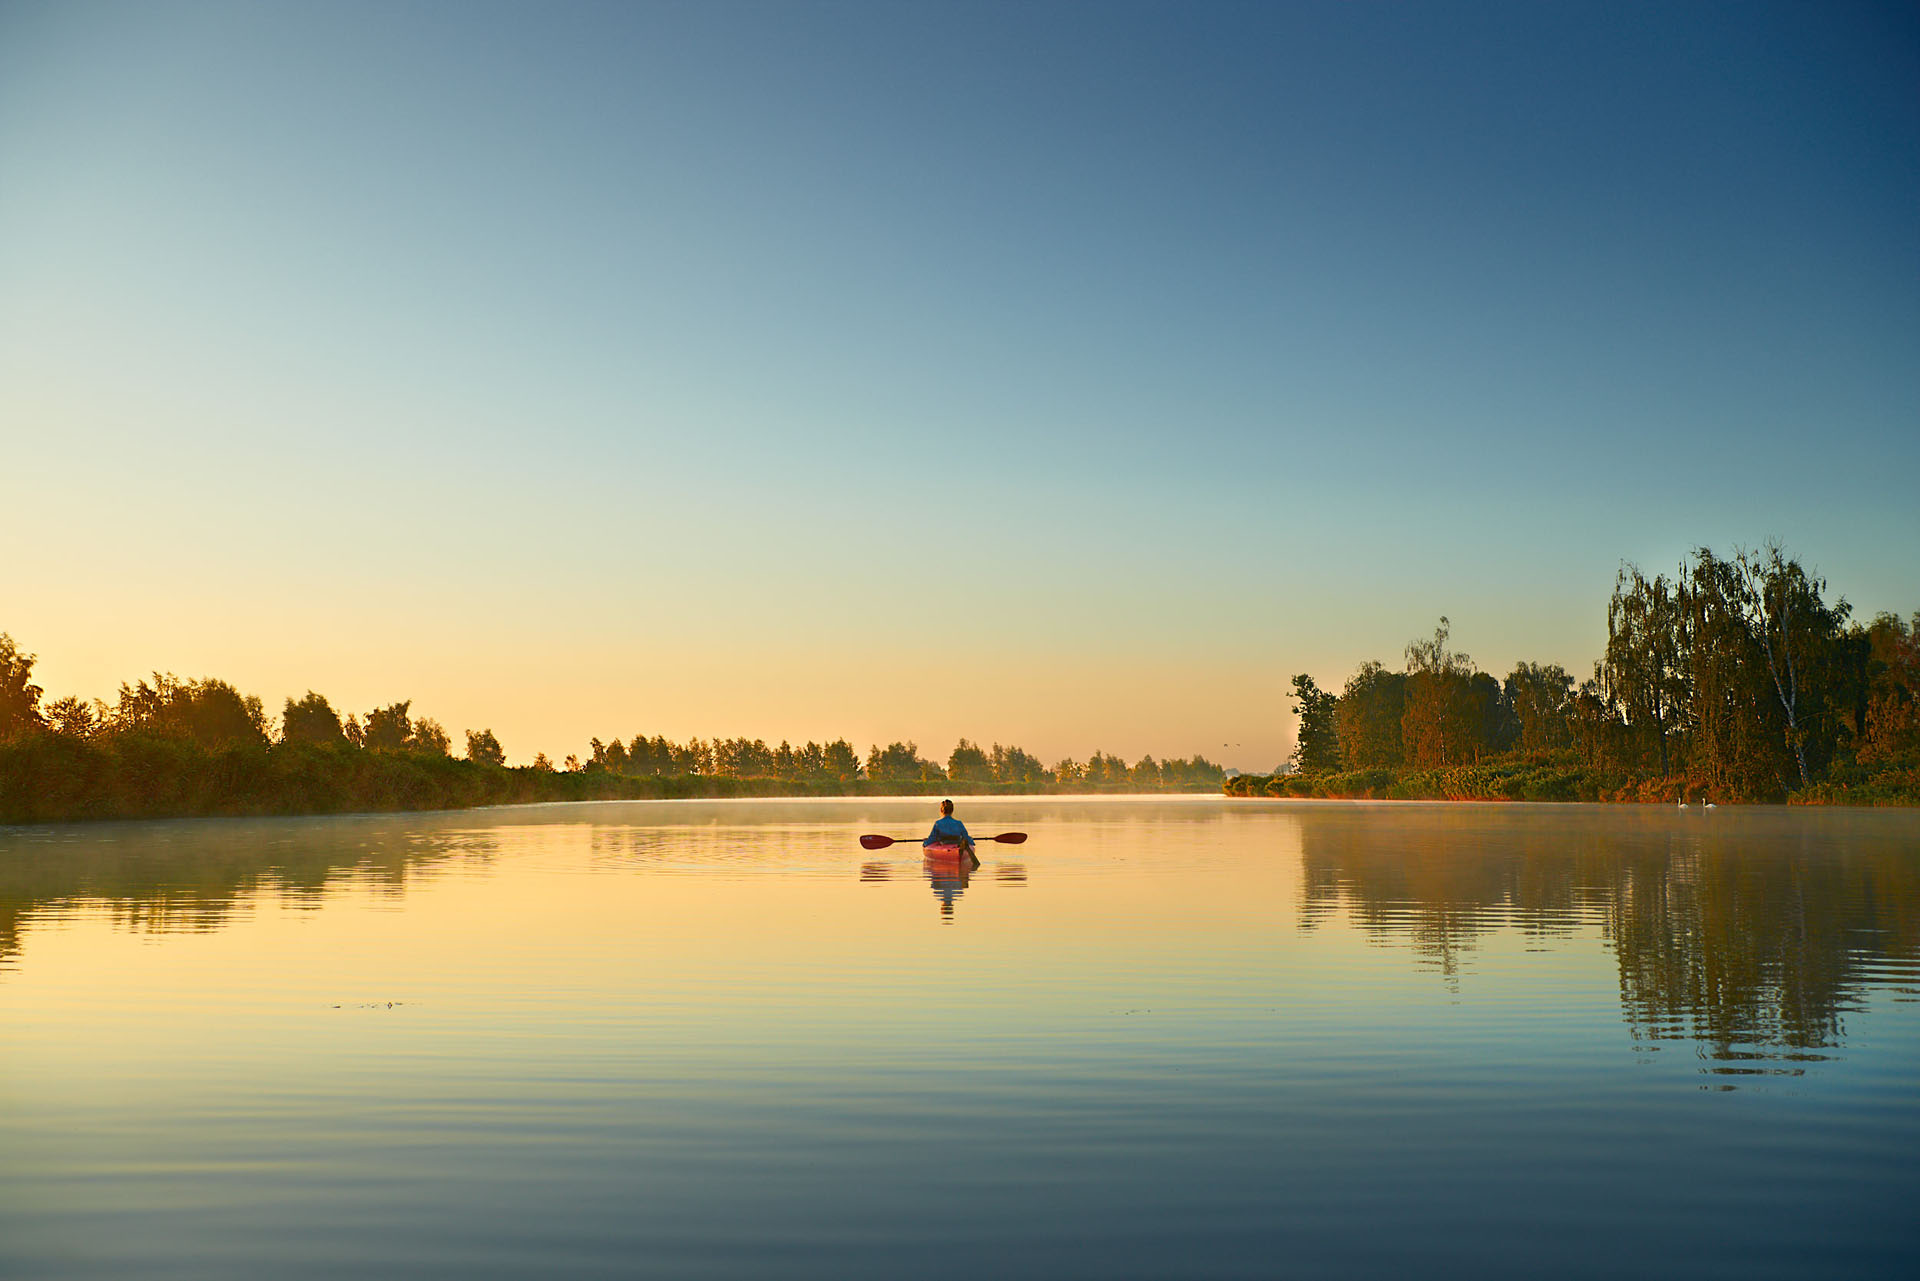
<point>1069,374</point>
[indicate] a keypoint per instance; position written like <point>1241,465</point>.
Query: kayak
<point>947,852</point>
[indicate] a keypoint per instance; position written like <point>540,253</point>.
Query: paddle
<point>881,842</point>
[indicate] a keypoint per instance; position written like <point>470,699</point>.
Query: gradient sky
<point>1063,374</point>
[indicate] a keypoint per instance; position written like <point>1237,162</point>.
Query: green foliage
<point>1443,722</point>
<point>73,718</point>
<point>311,720</point>
<point>895,763</point>
<point>840,761</point>
<point>1800,637</point>
<point>389,728</point>
<point>208,712</point>
<point>968,764</point>
<point>429,739</point>
<point>742,758</point>
<point>1645,645</point>
<point>1368,718</point>
<point>1317,749</point>
<point>1538,696</point>
<point>1888,705</point>
<point>484,749</point>
<point>1735,679</point>
<point>1011,765</point>
<point>19,696</point>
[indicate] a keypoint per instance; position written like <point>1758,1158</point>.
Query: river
<point>1164,1037</point>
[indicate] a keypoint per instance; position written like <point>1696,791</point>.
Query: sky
<point>1065,375</point>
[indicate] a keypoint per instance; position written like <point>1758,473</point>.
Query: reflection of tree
<point>1421,885</point>
<point>1750,933</point>
<point>1756,952</point>
<point>196,876</point>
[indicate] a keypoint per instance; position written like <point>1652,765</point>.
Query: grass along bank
<point>1569,779</point>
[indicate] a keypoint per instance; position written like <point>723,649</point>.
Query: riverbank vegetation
<point>174,748</point>
<point>1735,680</point>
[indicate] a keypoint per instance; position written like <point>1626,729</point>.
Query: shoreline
<point>55,782</point>
<point>1561,782</point>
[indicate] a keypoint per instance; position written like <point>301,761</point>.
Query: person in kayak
<point>948,830</point>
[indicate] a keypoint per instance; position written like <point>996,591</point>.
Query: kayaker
<point>947,829</point>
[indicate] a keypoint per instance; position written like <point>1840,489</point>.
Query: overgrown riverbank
<point>1551,779</point>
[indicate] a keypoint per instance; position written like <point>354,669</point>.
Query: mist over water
<point>1189,1037</point>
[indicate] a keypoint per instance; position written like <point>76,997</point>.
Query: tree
<point>649,756</point>
<point>1796,632</point>
<point>839,761</point>
<point>1890,719</point>
<point>429,739</point>
<point>1145,775</point>
<point>389,728</point>
<point>484,749</point>
<point>1199,772</point>
<point>1645,662</point>
<point>1539,694</point>
<point>1499,727</point>
<point>810,762</point>
<point>968,764</point>
<point>896,763</point>
<point>1011,765</point>
<point>1737,743</point>
<point>1317,748</point>
<point>208,712</point>
<point>1592,720</point>
<point>19,696</point>
<point>541,763</point>
<point>1104,769</point>
<point>1441,725</point>
<point>311,720</point>
<point>1368,718</point>
<point>76,718</point>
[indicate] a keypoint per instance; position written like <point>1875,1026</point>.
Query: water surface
<point>1166,1037</point>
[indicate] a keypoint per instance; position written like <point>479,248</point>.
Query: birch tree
<point>1794,628</point>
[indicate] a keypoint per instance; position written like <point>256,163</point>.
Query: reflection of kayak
<point>947,852</point>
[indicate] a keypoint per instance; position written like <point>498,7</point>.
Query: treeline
<point>894,763</point>
<point>1735,680</point>
<point>173,747</point>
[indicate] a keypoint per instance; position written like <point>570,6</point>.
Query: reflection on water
<point>1751,933</point>
<point>1176,1038</point>
<point>949,881</point>
<point>198,875</point>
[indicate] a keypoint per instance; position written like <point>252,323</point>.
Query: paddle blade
<point>876,842</point>
<point>1010,838</point>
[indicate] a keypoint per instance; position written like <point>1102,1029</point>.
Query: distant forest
<point>172,747</point>
<point>1734,680</point>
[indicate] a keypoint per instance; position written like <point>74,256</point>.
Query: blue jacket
<point>946,831</point>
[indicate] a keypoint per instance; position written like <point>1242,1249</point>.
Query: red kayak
<point>947,852</point>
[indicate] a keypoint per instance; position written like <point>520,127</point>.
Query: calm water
<point>1164,1038</point>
